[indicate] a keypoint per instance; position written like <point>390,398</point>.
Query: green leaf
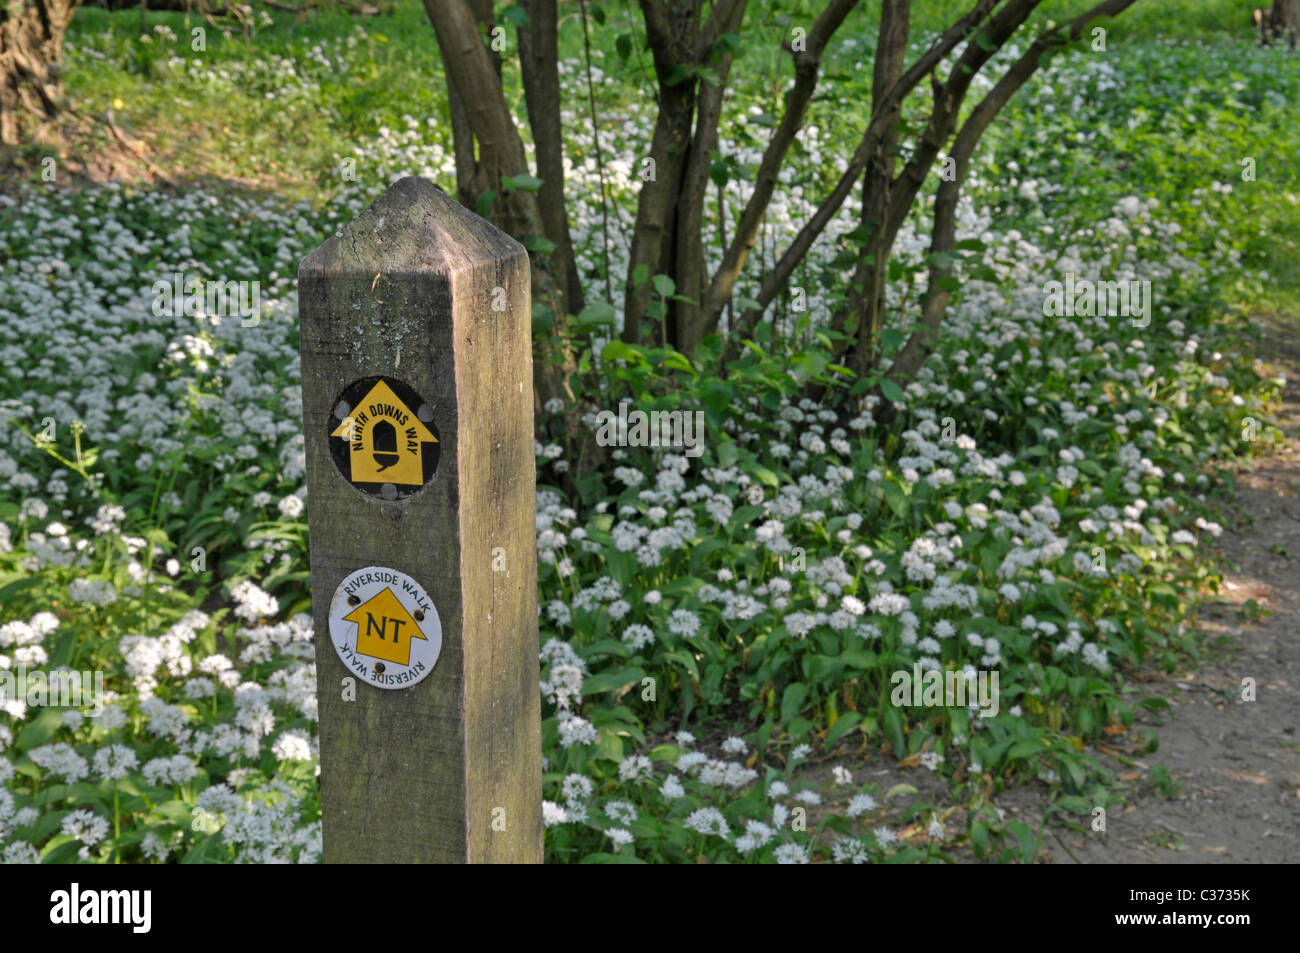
<point>792,701</point>
<point>543,319</point>
<point>60,849</point>
<point>515,15</point>
<point>521,183</point>
<point>538,244</point>
<point>843,725</point>
<point>596,313</point>
<point>893,393</point>
<point>893,725</point>
<point>9,589</point>
<point>609,745</point>
<point>611,681</point>
<point>176,811</point>
<point>762,474</point>
<point>1074,771</point>
<point>623,44</point>
<point>685,659</point>
<point>908,855</point>
<point>678,362</point>
<point>742,516</point>
<point>664,285</point>
<point>896,498</point>
<point>622,351</point>
<point>1028,843</point>
<point>675,75</point>
<point>799,728</point>
<point>1025,749</point>
<point>604,858</point>
<point>39,729</point>
<point>665,754</point>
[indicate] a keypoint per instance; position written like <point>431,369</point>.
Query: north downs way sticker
<point>385,628</point>
<point>382,438</point>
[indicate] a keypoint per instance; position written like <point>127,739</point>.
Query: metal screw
<point>354,600</point>
<point>388,491</point>
<point>379,668</point>
<point>341,409</point>
<point>419,615</point>
<point>425,413</point>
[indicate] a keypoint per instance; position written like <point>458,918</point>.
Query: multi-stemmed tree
<point>693,44</point>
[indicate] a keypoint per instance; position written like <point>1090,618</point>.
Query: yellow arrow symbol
<point>385,439</point>
<point>385,628</point>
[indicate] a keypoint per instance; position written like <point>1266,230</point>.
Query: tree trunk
<point>1286,20</point>
<point>671,26</point>
<point>474,77</point>
<point>865,299</point>
<point>687,320</point>
<point>539,64</point>
<point>31,52</point>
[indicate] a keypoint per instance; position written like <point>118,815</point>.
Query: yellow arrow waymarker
<point>384,628</point>
<point>385,439</point>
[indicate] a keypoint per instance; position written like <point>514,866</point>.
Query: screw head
<point>354,600</point>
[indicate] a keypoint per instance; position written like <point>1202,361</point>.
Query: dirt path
<point>1234,766</point>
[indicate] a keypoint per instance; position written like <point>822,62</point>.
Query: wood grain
<point>418,775</point>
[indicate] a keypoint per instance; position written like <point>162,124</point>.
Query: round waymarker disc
<point>385,627</point>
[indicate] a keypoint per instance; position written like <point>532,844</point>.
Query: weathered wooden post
<point>417,400</point>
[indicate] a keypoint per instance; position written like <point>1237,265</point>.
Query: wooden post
<point>417,400</point>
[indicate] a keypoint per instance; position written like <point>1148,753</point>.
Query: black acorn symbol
<point>384,437</point>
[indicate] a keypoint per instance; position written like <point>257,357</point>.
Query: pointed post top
<point>413,227</point>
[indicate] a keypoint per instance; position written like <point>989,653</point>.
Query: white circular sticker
<point>385,628</point>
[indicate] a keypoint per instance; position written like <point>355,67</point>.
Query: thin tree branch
<point>807,66</point>
<point>600,160</point>
<point>921,343</point>
<point>803,241</point>
<point>719,23</point>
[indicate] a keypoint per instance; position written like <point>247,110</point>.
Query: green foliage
<point>720,619</point>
